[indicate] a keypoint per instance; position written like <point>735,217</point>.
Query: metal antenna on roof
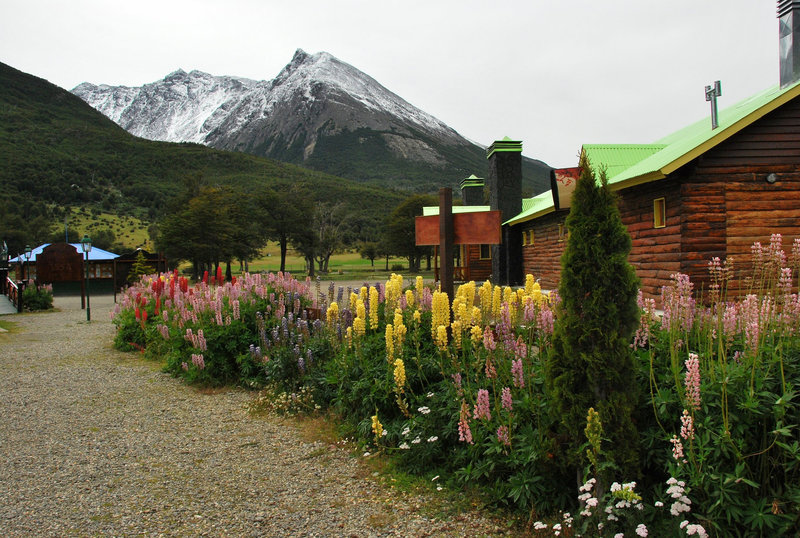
<point>711,95</point>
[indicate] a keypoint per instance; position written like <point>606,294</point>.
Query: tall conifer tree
<point>591,364</point>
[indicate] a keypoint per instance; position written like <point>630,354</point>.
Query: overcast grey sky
<point>553,74</point>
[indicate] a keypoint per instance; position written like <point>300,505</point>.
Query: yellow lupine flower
<point>441,337</point>
<point>389,343</point>
<point>349,337</point>
<point>440,307</point>
<point>392,293</point>
<point>462,314</point>
<point>456,328</point>
<point>333,314</point>
<point>399,337</point>
<point>419,285</point>
<point>476,316</point>
<point>377,427</point>
<point>353,301</point>
<point>417,316</point>
<point>361,310</point>
<point>374,300</point>
<point>399,375</point>
<point>508,294</point>
<point>497,300</point>
<point>476,333</point>
<point>529,282</point>
<point>409,298</point>
<point>485,299</point>
<point>359,327</point>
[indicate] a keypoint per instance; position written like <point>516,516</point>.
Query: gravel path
<point>97,442</point>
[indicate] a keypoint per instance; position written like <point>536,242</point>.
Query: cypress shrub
<point>591,364</point>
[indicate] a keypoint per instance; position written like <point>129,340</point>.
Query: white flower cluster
<point>694,529</point>
<point>677,491</point>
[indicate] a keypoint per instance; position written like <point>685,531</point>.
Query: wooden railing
<point>460,274</point>
<point>14,293</point>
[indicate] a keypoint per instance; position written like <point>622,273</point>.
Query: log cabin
<point>709,190</point>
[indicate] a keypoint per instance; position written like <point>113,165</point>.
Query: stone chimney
<point>788,26</point>
<point>505,195</point>
<point>472,190</point>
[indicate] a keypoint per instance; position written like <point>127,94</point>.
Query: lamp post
<point>3,267</point>
<point>27,261</point>
<point>86,245</point>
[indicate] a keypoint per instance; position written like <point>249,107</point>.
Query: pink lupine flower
<point>546,320</point>
<point>464,433</point>
<point>677,449</point>
<point>506,400</point>
<point>489,369</point>
<point>488,339</point>
<point>687,426</point>
<point>481,410</point>
<point>517,373</point>
<point>198,361</point>
<point>503,435</point>
<point>692,381</point>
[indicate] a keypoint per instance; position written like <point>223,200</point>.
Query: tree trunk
<point>228,272</point>
<point>310,265</point>
<point>283,242</point>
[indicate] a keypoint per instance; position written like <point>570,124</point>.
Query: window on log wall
<point>659,213</point>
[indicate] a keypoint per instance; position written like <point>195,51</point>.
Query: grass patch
<point>8,326</point>
<point>131,232</point>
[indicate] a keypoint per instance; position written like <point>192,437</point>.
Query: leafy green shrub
<point>38,297</point>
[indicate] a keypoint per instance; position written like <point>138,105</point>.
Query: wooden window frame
<point>660,213</point>
<point>480,252</point>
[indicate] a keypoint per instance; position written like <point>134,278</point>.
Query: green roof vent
<point>506,144</point>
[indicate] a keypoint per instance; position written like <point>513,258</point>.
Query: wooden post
<point>446,240</point>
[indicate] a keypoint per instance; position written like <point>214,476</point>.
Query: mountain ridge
<point>318,112</point>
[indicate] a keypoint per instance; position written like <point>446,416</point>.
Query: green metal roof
<point>616,158</point>
<point>429,211</point>
<point>628,165</point>
<point>688,143</point>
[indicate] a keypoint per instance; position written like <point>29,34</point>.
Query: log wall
<point>543,258</point>
<point>655,252</point>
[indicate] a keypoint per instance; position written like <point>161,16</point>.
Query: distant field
<point>132,233</point>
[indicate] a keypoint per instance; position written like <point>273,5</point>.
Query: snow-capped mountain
<point>318,111</point>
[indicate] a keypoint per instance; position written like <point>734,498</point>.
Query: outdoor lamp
<point>86,246</point>
<point>27,255</point>
<point>4,253</point>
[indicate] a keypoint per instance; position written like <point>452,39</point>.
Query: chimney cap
<point>472,181</point>
<point>506,144</point>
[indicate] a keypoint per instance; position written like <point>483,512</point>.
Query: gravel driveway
<point>98,442</point>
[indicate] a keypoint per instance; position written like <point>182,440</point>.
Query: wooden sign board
<point>59,262</point>
<point>478,228</point>
<point>562,184</point>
